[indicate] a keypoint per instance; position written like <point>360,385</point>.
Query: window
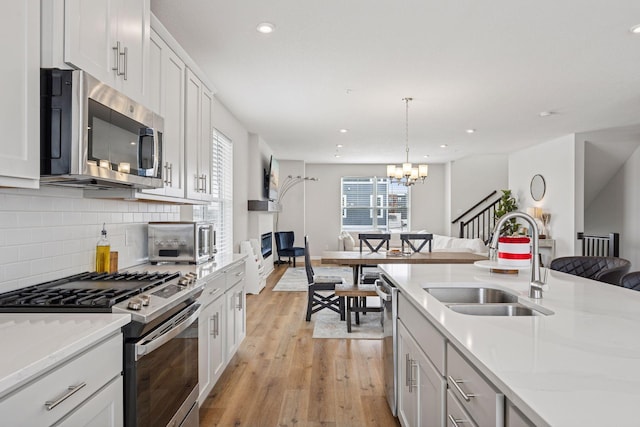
<point>222,189</point>
<point>373,203</point>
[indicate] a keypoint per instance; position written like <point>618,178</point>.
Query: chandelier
<point>407,174</point>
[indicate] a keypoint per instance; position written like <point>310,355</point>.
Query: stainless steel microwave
<point>190,242</point>
<point>94,136</point>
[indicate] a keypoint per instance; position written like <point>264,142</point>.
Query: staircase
<point>478,221</point>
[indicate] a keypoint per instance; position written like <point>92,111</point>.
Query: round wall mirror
<point>538,187</point>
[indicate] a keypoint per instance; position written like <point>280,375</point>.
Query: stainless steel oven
<point>389,296</point>
<point>161,372</point>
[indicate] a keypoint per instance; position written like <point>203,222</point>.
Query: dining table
<point>357,259</point>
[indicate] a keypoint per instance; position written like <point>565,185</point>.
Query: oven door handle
<point>382,294</point>
<point>148,345</point>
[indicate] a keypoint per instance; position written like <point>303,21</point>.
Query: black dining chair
<point>321,291</point>
<point>284,246</point>
<point>600,268</point>
<point>631,281</point>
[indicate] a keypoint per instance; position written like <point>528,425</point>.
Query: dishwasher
<point>388,294</point>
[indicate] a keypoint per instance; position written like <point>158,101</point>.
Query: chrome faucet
<point>535,288</point>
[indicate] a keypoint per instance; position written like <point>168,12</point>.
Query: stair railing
<point>481,224</point>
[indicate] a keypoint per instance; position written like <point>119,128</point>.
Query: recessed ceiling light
<point>339,145</point>
<point>443,146</point>
<point>266,27</point>
<point>337,156</point>
<point>426,156</point>
<point>546,113</point>
<point>344,130</point>
<point>471,131</point>
<point>635,29</point>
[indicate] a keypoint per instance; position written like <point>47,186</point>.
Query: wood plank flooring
<point>282,377</point>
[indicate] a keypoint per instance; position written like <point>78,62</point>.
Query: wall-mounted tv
<point>272,180</point>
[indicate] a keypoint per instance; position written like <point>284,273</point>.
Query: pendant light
<point>407,174</point>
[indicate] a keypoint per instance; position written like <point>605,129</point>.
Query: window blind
<point>222,189</point>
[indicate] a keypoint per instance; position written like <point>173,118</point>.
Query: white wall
<point>471,179</point>
<point>292,216</point>
<point>556,162</point>
<point>323,201</point>
<point>51,233</point>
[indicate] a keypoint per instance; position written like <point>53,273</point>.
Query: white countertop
<point>577,367</point>
<point>34,343</point>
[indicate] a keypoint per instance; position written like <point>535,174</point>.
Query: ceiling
<point>492,66</point>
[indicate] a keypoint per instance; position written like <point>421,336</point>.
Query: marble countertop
<point>576,367</point>
<point>34,343</point>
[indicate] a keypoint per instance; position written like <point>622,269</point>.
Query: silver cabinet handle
<point>204,183</point>
<point>407,370</point>
<point>455,422</point>
<point>216,325</point>
<point>239,307</point>
<point>116,58</point>
<point>465,396</point>
<point>73,389</point>
<point>212,325</point>
<point>126,60</point>
<point>170,173</point>
<point>196,183</point>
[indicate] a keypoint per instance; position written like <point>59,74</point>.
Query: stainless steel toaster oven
<point>184,242</point>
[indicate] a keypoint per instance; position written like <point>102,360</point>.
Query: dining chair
<point>369,238</point>
<point>416,241</point>
<point>600,268</point>
<point>284,246</point>
<point>321,290</point>
<point>631,281</point>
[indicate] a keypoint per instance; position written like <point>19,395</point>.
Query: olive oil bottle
<point>103,252</point>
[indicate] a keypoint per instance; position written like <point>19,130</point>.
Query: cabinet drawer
<point>234,274</point>
<point>94,368</point>
<point>425,334</point>
<point>456,415</point>
<point>213,289</point>
<point>484,403</point>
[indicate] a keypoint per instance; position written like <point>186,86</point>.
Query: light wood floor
<point>283,377</point>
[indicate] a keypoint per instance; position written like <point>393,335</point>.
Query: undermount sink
<point>472,295</point>
<point>494,309</point>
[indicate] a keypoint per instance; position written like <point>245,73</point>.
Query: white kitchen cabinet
<point>422,394</point>
<point>20,88</point>
<point>211,340</point>
<point>198,138</point>
<point>166,96</point>
<point>109,39</point>
<point>72,391</point>
<point>104,409</point>
<point>235,306</point>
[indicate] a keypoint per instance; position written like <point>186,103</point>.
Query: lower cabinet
<point>73,393</point>
<point>421,399</point>
<point>222,325</point>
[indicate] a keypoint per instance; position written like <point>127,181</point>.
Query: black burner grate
<point>85,291</point>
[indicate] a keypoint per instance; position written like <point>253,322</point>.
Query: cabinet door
<point>240,313</point>
<point>105,409</point>
<point>166,96</point>
<point>432,389</point>
<point>206,139</point>
<point>20,88</point>
<point>205,329</point>
<point>89,36</point>
<point>232,335</point>
<point>218,360</point>
<point>192,134</point>
<point>407,393</point>
<point>132,19</point>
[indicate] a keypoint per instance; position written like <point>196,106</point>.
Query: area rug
<point>329,325</point>
<point>295,279</point>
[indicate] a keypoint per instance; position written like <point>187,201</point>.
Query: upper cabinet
<point>166,96</point>
<point>20,88</point>
<point>109,39</point>
<point>198,138</point>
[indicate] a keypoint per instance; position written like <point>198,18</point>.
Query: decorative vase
<point>514,251</point>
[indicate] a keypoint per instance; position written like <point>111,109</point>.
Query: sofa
<point>348,241</point>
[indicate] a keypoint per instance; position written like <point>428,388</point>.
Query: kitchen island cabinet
<point>531,370</point>
<point>212,333</point>
<point>48,375</point>
<point>20,88</point>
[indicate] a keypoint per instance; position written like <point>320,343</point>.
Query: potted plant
<point>506,204</point>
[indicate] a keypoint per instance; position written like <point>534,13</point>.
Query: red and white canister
<point>514,251</point>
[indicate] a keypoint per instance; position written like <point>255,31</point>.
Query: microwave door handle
<point>156,143</point>
<point>142,347</point>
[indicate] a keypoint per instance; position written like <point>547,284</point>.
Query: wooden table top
<point>359,258</point>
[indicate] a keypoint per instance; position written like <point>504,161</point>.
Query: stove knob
<point>135,304</point>
<point>183,282</point>
<point>145,300</point>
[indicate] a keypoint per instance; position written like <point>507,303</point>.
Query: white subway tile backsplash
<point>29,219</point>
<point>8,220</point>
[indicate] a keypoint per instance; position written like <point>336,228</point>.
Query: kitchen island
<point>575,366</point>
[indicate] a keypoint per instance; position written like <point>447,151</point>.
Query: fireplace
<point>266,244</point>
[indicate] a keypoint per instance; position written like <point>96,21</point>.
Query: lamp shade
<point>391,171</point>
<point>423,171</point>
